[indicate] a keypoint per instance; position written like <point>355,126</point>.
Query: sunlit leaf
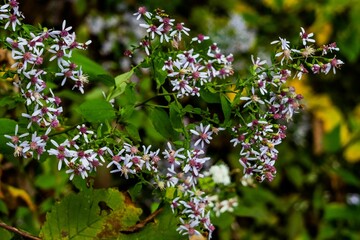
<point>352,152</point>
<point>121,82</point>
<point>95,214</point>
<point>22,194</point>
<point>162,227</point>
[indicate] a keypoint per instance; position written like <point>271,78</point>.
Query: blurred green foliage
<point>316,194</point>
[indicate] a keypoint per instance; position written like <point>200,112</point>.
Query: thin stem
<point>153,97</point>
<point>142,223</point>
<point>18,231</point>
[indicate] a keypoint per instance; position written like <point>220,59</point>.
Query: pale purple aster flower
<point>173,155</point>
<point>306,37</point>
<point>142,11</point>
<point>200,38</point>
<point>84,132</point>
<point>253,99</point>
<point>203,134</point>
<point>179,29</point>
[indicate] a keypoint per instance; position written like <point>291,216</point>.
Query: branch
<point>142,223</point>
<point>18,231</point>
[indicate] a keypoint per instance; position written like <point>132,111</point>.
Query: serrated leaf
<point>163,227</point>
<point>160,120</point>
<point>95,214</point>
<point>97,110</point>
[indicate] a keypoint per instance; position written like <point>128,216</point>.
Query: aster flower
<point>83,130</point>
<point>200,38</point>
<point>179,30</point>
<point>203,135</point>
<point>142,11</point>
<point>306,37</point>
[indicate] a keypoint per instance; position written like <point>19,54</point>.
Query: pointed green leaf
<point>123,78</point>
<point>88,66</point>
<point>94,214</point>
<point>132,131</point>
<point>120,84</point>
<point>160,120</point>
<point>226,107</point>
<point>160,75</point>
<point>209,97</point>
<point>332,140</point>
<point>175,117</point>
<point>107,80</point>
<point>97,110</point>
<point>8,128</point>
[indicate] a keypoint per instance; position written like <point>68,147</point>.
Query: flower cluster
<point>29,52</point>
<point>275,103</point>
<point>256,118</point>
<point>189,70</point>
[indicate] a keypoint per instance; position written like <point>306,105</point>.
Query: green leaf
<point>161,121</point>
<point>339,211</point>
<point>175,117</point>
<point>46,181</point>
<point>107,80</point>
<point>123,78</point>
<point>332,140</point>
<point>126,113</point>
<point>163,227</point>
<point>8,128</point>
<point>5,235</point>
<point>226,107</point>
<point>97,110</point>
<point>160,75</point>
<point>132,131</point>
<point>88,66</point>
<point>135,191</point>
<point>95,214</point>
<point>167,97</point>
<point>9,101</point>
<point>170,192</point>
<point>209,97</point>
<point>3,208</point>
<point>120,84</point>
<point>348,177</point>
<point>295,175</point>
<point>130,94</point>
